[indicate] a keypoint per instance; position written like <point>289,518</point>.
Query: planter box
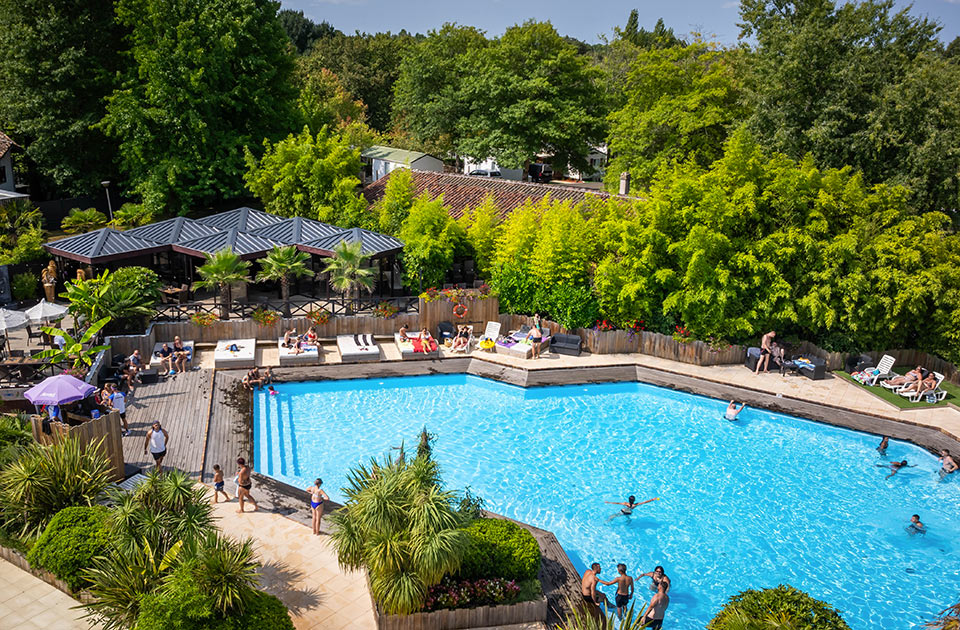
<point>462,618</point>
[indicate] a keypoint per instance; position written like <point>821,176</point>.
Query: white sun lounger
<point>243,357</point>
<point>354,348</point>
<point>466,349</point>
<point>406,348</point>
<point>884,369</point>
<point>919,396</point>
<point>309,356</point>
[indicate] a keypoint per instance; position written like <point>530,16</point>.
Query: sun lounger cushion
<point>308,356</point>
<point>243,356</point>
<point>358,347</point>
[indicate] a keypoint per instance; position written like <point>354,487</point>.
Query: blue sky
<point>584,20</point>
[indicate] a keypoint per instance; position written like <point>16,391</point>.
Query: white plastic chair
<point>884,369</point>
<point>918,396</point>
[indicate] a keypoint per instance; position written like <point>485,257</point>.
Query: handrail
<point>336,305</point>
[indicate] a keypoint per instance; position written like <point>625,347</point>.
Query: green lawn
<point>953,392</point>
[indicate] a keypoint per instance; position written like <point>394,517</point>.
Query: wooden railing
<point>243,310</point>
<point>28,375</point>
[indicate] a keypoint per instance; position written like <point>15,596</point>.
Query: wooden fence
<point>644,342</point>
<point>479,312</point>
<point>480,617</point>
<point>106,428</point>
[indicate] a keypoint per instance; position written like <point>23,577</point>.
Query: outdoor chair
<point>16,354</point>
<point>938,393</point>
<point>34,335</point>
<point>445,330</point>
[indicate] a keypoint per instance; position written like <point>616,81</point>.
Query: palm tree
<point>346,269</point>
<point>222,269</point>
<point>283,263</point>
<point>398,522</point>
<point>73,349</point>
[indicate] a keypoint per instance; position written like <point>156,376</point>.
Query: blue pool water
<point>770,499</point>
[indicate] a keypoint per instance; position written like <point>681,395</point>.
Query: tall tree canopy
<point>209,78</point>
<point>820,78</point>
<point>60,60</point>
<point>428,100</point>
<point>309,175</point>
<point>682,103</point>
<point>324,101</point>
<point>530,92</point>
<point>367,66</point>
<point>303,31</point>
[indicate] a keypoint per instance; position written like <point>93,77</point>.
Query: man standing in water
<point>658,607</point>
<point>624,589</point>
<point>592,598</point>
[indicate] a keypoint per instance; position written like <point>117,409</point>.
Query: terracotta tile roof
<point>5,144</point>
<point>465,191</point>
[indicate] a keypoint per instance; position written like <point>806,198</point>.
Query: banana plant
<point>73,349</point>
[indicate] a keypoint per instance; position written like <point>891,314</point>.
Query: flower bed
<point>385,310</point>
<point>203,320</point>
<point>452,593</point>
<point>319,318</point>
<point>265,317</point>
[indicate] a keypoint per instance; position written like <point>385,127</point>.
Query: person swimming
<point>895,467</point>
<point>884,443</point>
<point>629,506</point>
<point>916,527</point>
<point>732,412</point>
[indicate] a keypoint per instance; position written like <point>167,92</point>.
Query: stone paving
<point>301,569</point>
<point>29,603</point>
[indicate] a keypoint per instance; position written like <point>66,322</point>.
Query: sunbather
<point>403,333</point>
<point>311,337</point>
<point>290,338</point>
<point>920,387</point>
<point>462,338</point>
<point>425,341</point>
<point>911,376</point>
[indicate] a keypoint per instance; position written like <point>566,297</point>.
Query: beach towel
<point>418,346</point>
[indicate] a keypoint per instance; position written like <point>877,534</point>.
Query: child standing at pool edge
<point>218,484</point>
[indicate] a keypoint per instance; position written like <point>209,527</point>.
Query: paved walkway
<point>29,603</point>
<point>301,569</point>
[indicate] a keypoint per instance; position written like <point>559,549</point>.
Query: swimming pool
<point>769,499</point>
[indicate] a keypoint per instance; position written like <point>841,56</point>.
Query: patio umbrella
<point>11,320</point>
<point>46,312</point>
<point>58,390</point>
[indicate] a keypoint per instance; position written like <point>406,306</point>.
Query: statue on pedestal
<point>49,279</point>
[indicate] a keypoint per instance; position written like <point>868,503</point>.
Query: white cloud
<point>734,5</point>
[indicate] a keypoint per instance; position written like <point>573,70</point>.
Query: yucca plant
<point>578,618</point>
<point>347,273</point>
<point>226,570</point>
<point>223,269</point>
<point>281,264</point>
<point>399,524</point>
<point>75,350</point>
<point>120,577</point>
<point>47,478</point>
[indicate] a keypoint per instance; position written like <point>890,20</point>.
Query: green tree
<point>367,66</point>
<point>430,240</point>
<point>819,79</point>
<point>16,217</point>
<point>530,92</point>
<point>221,271</point>
<point>208,79</point>
<point>428,99</point>
<point>60,59</point>
<point>780,607</point>
<point>324,101</point>
<point>348,270</point>
<point>131,215</point>
<point>681,104</point>
<point>399,524</point>
<point>309,176</point>
<point>303,31</point>
<point>280,265</point>
<point>481,228</point>
<point>126,297</point>
<point>394,207</point>
<point>78,350</point>
<point>83,221</point>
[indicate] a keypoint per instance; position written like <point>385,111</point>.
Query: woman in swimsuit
<point>911,376</point>
<point>535,336</point>
<point>657,576</point>
<point>244,485</point>
<point>180,355</point>
<point>317,498</point>
<point>462,338</point>
<point>628,507</point>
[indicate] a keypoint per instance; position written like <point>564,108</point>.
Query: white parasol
<point>46,312</point>
<point>12,320</point>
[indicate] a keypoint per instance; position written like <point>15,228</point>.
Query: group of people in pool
<point>593,598</point>
<point>948,466</point>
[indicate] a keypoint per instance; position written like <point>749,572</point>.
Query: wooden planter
<point>462,618</point>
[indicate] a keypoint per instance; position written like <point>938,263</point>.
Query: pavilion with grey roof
<point>175,247</point>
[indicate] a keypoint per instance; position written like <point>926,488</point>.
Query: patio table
<point>23,369</point>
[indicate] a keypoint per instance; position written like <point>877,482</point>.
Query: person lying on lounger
<point>425,339</point>
<point>899,381</point>
<point>927,384</point>
<point>462,338</point>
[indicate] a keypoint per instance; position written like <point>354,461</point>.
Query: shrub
<point>28,248</point>
<point>46,479</point>
<point>24,286</point>
<point>783,604</point>
<point>69,543</point>
<point>83,221</point>
<point>144,281</point>
<point>131,215</point>
<point>452,593</point>
<point>499,548</point>
<point>264,611</point>
<point>14,436</point>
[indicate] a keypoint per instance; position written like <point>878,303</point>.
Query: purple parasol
<point>58,390</point>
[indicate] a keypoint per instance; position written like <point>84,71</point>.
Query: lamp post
<point>106,187</point>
